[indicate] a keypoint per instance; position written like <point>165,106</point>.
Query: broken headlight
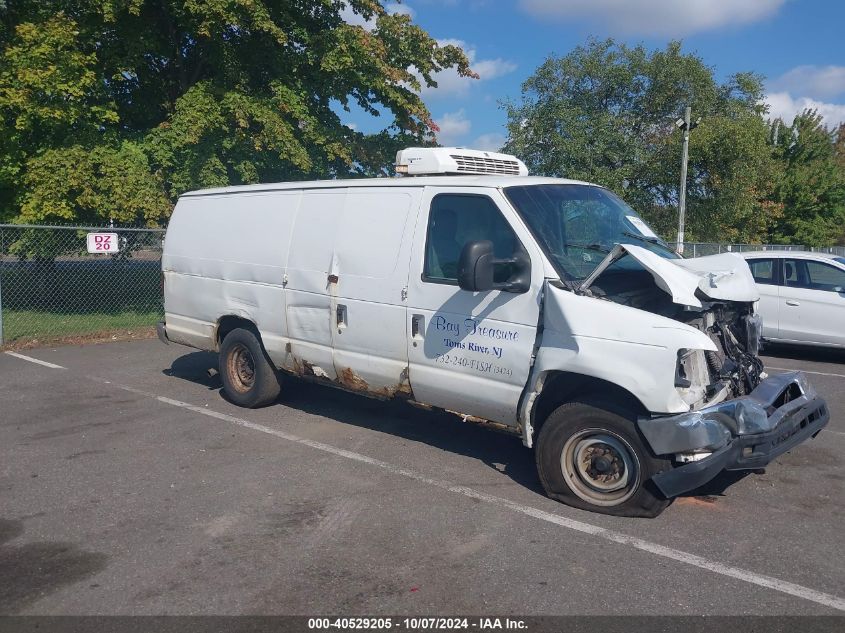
<point>692,376</point>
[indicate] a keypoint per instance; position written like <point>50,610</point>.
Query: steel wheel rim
<point>600,467</point>
<point>241,368</point>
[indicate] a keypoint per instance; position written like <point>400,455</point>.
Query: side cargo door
<point>469,352</point>
<point>367,285</point>
<point>307,288</point>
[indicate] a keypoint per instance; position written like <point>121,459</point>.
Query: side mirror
<point>476,268</point>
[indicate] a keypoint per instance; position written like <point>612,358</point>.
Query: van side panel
<point>225,255</point>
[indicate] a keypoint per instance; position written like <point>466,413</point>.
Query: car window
<point>801,273</point>
<point>763,270</point>
<point>456,219</point>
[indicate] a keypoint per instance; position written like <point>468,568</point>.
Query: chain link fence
<point>52,287</point>
<point>700,249</point>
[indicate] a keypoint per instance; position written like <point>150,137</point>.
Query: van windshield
<point>577,225</point>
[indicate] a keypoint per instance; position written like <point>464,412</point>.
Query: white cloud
<point>814,81</point>
<point>453,126</point>
<point>404,9</point>
<point>450,84</point>
<point>673,18</point>
<point>491,142</point>
<point>356,19</point>
<point>783,105</point>
<point>492,68</point>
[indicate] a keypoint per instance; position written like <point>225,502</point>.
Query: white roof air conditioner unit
<point>429,161</point>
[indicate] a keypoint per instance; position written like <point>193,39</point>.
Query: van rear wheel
<point>249,379</point>
<point>595,459</point>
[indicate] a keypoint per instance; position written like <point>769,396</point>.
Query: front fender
<point>633,349</point>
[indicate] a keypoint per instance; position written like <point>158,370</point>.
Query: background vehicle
<point>802,296</point>
<point>542,305</point>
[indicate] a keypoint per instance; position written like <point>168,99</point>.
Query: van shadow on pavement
<point>438,429</point>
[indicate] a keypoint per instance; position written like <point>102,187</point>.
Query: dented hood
<point>723,277</point>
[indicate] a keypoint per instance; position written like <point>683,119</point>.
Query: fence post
<point>2,253</point>
<point>1,307</point>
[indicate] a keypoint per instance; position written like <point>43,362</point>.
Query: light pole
<point>686,126</point>
<point>682,197</point>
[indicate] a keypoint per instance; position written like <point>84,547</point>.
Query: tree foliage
<point>606,113</point>
<point>811,186</point>
<point>115,107</point>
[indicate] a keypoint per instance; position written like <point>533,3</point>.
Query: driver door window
<point>456,219</point>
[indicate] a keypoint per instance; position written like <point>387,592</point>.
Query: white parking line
<point>806,371</point>
<point>680,556</point>
<point>35,360</point>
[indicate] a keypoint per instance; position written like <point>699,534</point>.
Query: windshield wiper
<point>593,246</point>
<point>649,240</point>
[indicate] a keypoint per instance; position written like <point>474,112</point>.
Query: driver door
<point>469,352</point>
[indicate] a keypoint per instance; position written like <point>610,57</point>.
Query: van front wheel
<point>593,459</point>
<point>249,379</point>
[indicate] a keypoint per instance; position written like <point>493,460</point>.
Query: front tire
<point>594,459</point>
<point>249,379</point>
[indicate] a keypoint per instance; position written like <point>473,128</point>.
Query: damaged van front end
<point>683,337</point>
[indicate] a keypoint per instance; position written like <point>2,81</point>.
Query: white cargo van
<point>542,305</point>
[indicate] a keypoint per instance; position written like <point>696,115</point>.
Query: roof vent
<point>420,161</point>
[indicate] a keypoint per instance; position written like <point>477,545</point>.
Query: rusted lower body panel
<point>348,380</point>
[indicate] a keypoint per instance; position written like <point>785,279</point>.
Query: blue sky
<point>799,45</point>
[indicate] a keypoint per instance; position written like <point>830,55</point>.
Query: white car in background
<point>802,296</point>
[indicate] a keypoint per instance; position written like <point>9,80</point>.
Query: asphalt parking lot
<point>129,485</point>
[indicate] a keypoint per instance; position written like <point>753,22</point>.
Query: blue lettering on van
<point>480,366</point>
<point>441,323</point>
<point>476,328</point>
<point>472,327</point>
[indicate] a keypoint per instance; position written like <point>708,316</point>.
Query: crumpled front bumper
<point>743,434</point>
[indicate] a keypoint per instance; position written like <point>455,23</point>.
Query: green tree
<point>811,188</point>
<point>115,107</point>
<point>606,113</point>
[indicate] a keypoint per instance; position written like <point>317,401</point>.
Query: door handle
<point>792,302</point>
<point>416,325</point>
<point>341,316</point>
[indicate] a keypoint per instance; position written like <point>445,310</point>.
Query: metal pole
<point>682,198</point>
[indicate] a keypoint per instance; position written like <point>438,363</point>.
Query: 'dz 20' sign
<point>103,243</point>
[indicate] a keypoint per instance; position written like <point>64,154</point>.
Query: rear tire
<point>594,459</point>
<point>248,376</point>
